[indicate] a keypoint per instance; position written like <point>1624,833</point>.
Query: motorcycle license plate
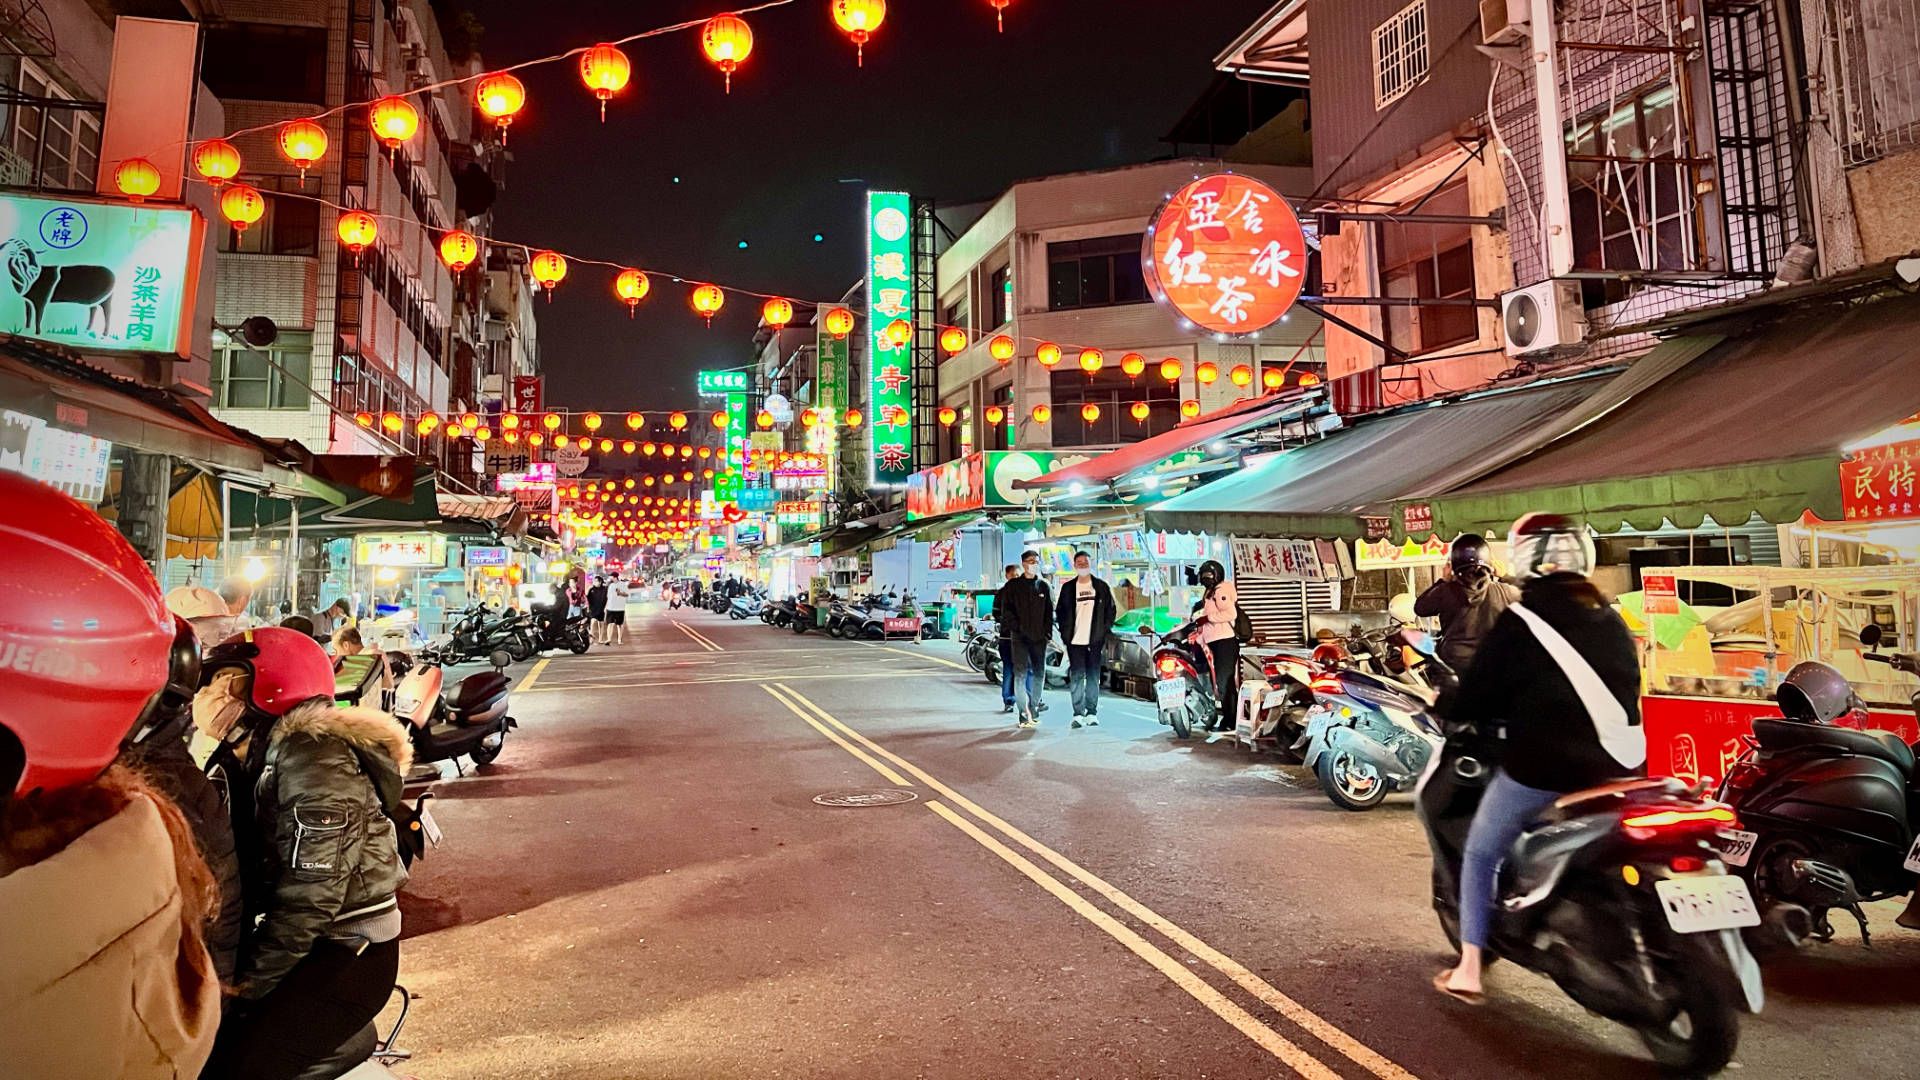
<point>1913,856</point>
<point>1736,846</point>
<point>1170,694</point>
<point>1696,905</point>
<point>1317,722</point>
<point>430,827</point>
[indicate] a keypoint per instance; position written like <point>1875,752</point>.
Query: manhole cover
<point>866,797</point>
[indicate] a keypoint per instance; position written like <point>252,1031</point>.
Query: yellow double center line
<point>1293,1055</point>
<point>699,638</point>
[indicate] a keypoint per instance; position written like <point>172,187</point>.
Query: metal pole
<point>226,529</point>
<point>293,557</point>
<point>1557,224</point>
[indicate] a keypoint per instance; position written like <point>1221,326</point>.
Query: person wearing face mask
<point>1467,601</point>
<point>1000,621</point>
<point>1026,607</point>
<point>1221,630</point>
<point>1085,614</point>
<point>311,788</point>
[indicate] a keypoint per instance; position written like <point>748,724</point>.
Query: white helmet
<point>1542,544</point>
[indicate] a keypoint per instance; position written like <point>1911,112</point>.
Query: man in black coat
<point>1012,572</point>
<point>1025,607</point>
<point>1085,614</point>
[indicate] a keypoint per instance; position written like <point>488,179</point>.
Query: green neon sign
<point>890,365</point>
<point>98,275</point>
<point>719,383</point>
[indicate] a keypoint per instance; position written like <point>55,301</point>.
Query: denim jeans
<point>1083,679</point>
<point>1505,811</point>
<point>1029,668</point>
<point>1006,673</point>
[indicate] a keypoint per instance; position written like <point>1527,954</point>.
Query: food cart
<point>1708,673</point>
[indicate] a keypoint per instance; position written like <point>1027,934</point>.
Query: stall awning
<point>871,528</point>
<point>1115,464</point>
<point>1756,425</point>
<point>1317,490</point>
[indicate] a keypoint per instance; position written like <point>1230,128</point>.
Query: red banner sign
<point>526,393</point>
<point>1700,738</point>
<point>1879,483</point>
<point>1227,253</point>
<point>1660,593</point>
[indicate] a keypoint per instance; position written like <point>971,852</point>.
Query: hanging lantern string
<point>659,31</point>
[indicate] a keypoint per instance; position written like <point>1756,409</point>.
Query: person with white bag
<point>1554,691</point>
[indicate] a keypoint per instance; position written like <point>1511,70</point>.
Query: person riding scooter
<point>1555,688</point>
<point>1467,600</point>
<point>311,788</point>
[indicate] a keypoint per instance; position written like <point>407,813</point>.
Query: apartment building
<point>1058,259</point>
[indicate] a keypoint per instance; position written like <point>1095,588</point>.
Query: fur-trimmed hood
<point>367,729</point>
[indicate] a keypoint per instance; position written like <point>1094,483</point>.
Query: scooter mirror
<point>501,659</point>
<point>1870,635</point>
<point>1401,608</point>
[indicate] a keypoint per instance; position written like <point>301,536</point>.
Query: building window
<point>1000,297</point>
<point>1115,394</point>
<point>1400,54</point>
<point>1095,273</point>
<point>955,313</point>
<point>265,62</point>
<point>1430,262</point>
<point>58,147</point>
<point>290,226</point>
<point>269,378</point>
<point>1629,198</point>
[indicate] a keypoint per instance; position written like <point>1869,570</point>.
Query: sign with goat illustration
<point>98,275</point>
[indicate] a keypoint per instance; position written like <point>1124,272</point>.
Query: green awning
<point>1320,489</point>
<point>1756,425</point>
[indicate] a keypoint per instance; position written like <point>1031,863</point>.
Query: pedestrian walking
<point>618,594</point>
<point>1085,614</point>
<point>1002,622</point>
<point>1029,610</point>
<point>597,608</point>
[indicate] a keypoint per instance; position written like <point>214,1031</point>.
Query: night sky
<point>681,173</point>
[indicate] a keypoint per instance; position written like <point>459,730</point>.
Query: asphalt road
<point>644,886</point>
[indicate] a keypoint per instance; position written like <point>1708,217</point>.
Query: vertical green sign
<point>830,399</point>
<point>890,365</point>
<point>736,427</point>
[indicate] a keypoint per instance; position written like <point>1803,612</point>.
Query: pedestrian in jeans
<point>1085,614</point>
<point>1028,610</point>
<point>1000,623</point>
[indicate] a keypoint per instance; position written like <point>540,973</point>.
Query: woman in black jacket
<point>1555,686</point>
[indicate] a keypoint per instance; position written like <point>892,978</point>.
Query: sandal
<point>1469,997</point>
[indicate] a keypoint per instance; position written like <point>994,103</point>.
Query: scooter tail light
<point>1651,823</point>
<point>1169,666</point>
<point>1326,684</point>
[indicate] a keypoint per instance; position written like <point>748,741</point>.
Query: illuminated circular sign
<point>1227,253</point>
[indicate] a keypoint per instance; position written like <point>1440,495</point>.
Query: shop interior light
<point>254,569</point>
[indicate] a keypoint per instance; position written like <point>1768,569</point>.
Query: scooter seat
<point>477,690</point>
<point>1606,797</point>
<point>1776,734</point>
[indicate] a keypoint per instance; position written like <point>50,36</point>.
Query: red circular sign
<point>1227,252</point>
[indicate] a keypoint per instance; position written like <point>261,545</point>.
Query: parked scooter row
<point>876,617</point>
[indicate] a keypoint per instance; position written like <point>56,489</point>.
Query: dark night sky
<point>944,107</point>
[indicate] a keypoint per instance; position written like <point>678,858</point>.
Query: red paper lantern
<point>242,205</point>
<point>218,160</point>
<point>605,70</point>
<point>634,421</point>
<point>631,286</point>
<point>1208,373</point>
<point>303,142</point>
<point>764,420</point>
<point>458,249</point>
<point>1092,360</point>
<point>393,119</point>
<point>1133,364</point>
<point>593,421</point>
<point>500,97</point>
<point>1048,354</point>
<point>137,178</point>
<point>1190,408</point>
<point>946,416</point>
<point>777,312</point>
<point>720,420</point>
<point>1089,412</point>
<point>1272,378</point>
<point>1002,348</point>
<point>677,421</point>
<point>1242,375</point>
<point>1170,370</point>
<point>953,340</point>
<point>549,267</point>
<point>1000,14</point>
<point>839,322</point>
<point>364,419</point>
<point>859,19</point>
<point>1138,410</point>
<point>1309,379</point>
<point>853,418</point>
<point>899,331</point>
<point>995,414</point>
<point>728,41</point>
<point>707,300</point>
<point>357,230</point>
<point>1042,413</point>
<point>551,421</point>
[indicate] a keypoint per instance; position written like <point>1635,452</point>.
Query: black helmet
<point>1212,573</point>
<point>1814,693</point>
<point>1471,557</point>
<point>1542,544</point>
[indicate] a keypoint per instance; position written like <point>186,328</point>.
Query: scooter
<point>983,645</point>
<point>573,634</point>
<point>1617,894</point>
<point>746,605</point>
<point>473,720</point>
<point>1368,735</point>
<point>374,1054</point>
<point>779,613</point>
<point>804,615</point>
<point>1183,682</point>
<point>1829,818</point>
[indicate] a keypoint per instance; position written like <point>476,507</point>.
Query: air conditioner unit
<point>1503,22</point>
<point>1542,316</point>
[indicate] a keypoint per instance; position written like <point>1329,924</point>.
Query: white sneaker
<point>1078,720</point>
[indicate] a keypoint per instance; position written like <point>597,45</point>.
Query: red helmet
<point>285,668</point>
<point>84,637</point>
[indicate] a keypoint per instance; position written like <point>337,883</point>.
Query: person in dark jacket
<point>1085,614</point>
<point>159,753</point>
<point>1467,600</point>
<point>1012,571</point>
<point>1026,608</point>
<point>1555,687</point>
<point>310,788</point>
<point>597,607</point>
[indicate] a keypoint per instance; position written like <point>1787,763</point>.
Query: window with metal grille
<point>1629,193</point>
<point>1400,54</point>
<point>1874,47</point>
